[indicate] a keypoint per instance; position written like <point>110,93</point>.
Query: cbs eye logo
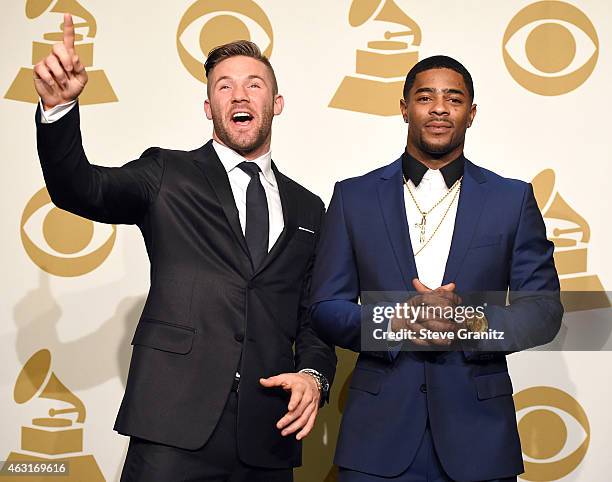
<point>554,432</point>
<point>550,48</point>
<point>60,242</point>
<point>221,22</point>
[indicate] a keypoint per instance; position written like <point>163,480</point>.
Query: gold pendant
<point>421,226</point>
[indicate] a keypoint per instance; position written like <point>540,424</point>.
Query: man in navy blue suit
<point>436,405</point>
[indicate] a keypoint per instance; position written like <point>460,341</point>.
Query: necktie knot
<point>251,168</point>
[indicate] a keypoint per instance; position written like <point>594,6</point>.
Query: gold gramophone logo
<point>550,47</point>
<point>98,89</point>
<point>223,21</point>
<point>60,242</point>
<point>570,234</point>
<point>58,437</point>
<point>554,431</point>
<point>381,68</point>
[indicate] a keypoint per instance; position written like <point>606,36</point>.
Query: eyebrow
<point>431,90</point>
<point>250,77</point>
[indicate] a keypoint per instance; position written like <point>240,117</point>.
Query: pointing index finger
<point>68,32</point>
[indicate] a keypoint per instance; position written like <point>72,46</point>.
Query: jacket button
<point>423,388</point>
<point>239,337</point>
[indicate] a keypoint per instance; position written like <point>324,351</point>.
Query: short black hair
<point>438,62</point>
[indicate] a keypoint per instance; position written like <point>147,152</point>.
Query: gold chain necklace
<point>424,214</point>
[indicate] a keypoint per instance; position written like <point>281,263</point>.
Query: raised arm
<point>111,195</point>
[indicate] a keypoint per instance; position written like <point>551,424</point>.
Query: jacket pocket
<point>304,236</point>
<point>366,380</point>
<point>164,336</point>
<point>494,385</point>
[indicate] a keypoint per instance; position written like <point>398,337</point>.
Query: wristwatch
<point>322,383</point>
<point>477,323</point>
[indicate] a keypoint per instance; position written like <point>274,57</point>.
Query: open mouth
<point>242,118</point>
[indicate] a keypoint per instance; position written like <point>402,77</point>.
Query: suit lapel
<point>215,173</point>
<point>289,203</point>
<point>471,201</point>
<point>393,208</point>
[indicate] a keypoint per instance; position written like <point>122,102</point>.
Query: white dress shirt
<point>431,261</point>
<point>239,181</point>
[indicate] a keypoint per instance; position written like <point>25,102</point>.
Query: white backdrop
<point>86,321</point>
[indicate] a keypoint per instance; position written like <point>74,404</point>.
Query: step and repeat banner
<point>72,290</point>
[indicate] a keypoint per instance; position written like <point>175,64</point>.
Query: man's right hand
<point>444,296</point>
<point>60,77</point>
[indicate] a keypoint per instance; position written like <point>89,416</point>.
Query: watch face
<point>483,323</point>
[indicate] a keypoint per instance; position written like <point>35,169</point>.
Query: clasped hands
<point>443,297</point>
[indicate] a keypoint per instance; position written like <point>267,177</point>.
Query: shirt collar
<point>414,170</point>
<point>230,160</point>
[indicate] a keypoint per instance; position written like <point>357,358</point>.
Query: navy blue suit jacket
<point>499,243</point>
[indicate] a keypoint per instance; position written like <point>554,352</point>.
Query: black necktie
<point>257,222</point>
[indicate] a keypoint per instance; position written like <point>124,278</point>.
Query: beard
<point>245,142</point>
<point>439,149</point>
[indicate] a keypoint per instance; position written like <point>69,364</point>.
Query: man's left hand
<point>303,404</point>
<point>444,297</point>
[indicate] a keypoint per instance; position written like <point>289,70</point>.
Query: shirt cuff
<point>55,113</point>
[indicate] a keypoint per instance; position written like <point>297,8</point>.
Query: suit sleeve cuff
<point>56,113</point>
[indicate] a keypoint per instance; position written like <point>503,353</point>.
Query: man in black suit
<point>225,366</point>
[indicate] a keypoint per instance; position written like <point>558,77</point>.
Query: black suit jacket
<point>206,306</point>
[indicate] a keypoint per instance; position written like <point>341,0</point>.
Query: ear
<point>279,104</point>
<point>404,110</point>
<point>472,115</point>
<point>207,109</point>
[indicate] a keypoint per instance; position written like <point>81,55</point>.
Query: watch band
<point>320,379</point>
